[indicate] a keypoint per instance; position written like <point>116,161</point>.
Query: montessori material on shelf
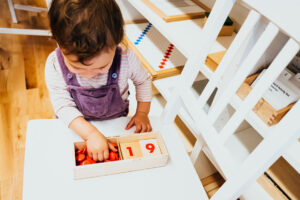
<point>213,60</point>
<point>135,152</point>
<point>176,10</point>
<point>283,91</point>
<point>277,100</point>
<point>160,57</point>
<point>228,27</point>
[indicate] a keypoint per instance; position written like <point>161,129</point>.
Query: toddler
<point>87,75</point>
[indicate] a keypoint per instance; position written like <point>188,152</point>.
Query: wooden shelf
<point>185,35</point>
<point>286,177</point>
<point>160,57</point>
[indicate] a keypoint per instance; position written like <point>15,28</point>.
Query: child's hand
<point>97,146</point>
<point>141,122</point>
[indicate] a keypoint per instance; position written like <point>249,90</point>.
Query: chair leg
<point>12,11</point>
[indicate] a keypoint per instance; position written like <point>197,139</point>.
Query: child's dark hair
<point>86,27</point>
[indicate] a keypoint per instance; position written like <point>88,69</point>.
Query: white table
<point>48,170</point>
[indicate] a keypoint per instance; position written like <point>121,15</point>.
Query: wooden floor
<point>24,96</point>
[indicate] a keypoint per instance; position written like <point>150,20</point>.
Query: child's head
<point>88,32</point>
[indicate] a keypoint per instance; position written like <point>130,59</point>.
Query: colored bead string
<point>166,56</point>
<point>142,35</point>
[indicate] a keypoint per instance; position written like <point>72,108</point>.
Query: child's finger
<point>90,154</point>
<point>144,128</point>
<point>149,128</point>
<point>138,128</point>
<point>95,156</point>
<point>100,156</point>
<point>106,155</point>
<point>111,147</point>
<point>130,124</point>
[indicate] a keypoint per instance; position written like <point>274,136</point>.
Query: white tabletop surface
<point>48,170</point>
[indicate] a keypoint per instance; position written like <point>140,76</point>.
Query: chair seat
<point>48,170</point>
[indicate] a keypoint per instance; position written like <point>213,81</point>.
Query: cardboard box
<point>263,109</point>
<point>114,167</point>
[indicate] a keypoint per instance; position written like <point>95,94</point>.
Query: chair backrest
<point>263,31</point>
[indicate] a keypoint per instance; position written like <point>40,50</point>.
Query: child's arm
<point>97,144</point>
<point>143,86</point>
<point>65,108</point>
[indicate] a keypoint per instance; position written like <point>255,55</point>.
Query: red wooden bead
<point>79,151</point>
<point>80,157</point>
<point>112,156</point>
<point>115,145</point>
<point>89,159</point>
<point>86,162</point>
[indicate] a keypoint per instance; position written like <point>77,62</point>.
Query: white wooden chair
<point>241,59</point>
<point>12,7</point>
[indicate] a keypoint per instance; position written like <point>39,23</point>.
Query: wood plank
<point>269,186</point>
<point>210,179</point>
<point>286,177</point>
<point>22,59</point>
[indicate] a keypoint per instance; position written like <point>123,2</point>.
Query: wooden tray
<point>189,9</point>
<point>123,165</point>
<point>160,57</point>
<point>263,109</point>
<point>213,60</point>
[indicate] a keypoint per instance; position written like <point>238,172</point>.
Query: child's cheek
<point>103,71</point>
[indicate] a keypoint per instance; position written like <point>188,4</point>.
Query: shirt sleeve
<point>62,102</point>
<point>140,78</point>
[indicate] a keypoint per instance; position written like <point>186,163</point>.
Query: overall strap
<point>69,77</point>
<point>114,71</point>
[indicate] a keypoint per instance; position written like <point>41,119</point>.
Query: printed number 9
<point>150,147</point>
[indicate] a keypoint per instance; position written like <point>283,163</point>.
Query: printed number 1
<point>130,151</point>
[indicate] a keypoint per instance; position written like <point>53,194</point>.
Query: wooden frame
<point>263,109</point>
<point>108,168</point>
<point>154,74</point>
<point>159,74</point>
<point>172,18</point>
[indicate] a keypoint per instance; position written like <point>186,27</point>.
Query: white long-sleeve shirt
<point>64,105</point>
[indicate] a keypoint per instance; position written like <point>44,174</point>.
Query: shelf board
<point>292,154</point>
<point>185,35</point>
<point>251,118</point>
<point>242,143</point>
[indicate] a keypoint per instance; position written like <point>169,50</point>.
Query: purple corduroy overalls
<point>97,103</point>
